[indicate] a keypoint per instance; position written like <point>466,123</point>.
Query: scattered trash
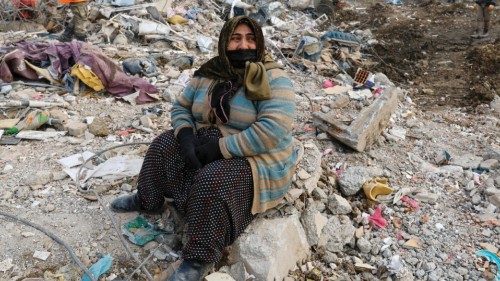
<point>410,203</point>
<point>491,257</point>
<point>327,84</point>
<point>142,66</point>
<point>87,76</point>
<point>205,43</point>
<point>375,187</point>
<point>113,168</point>
<point>376,219</point>
<point>310,48</point>
<point>41,255</point>
<point>99,268</point>
<point>139,231</point>
<point>395,265</point>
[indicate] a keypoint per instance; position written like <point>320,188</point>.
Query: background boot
<point>477,31</point>
<point>67,34</point>
<point>486,29</point>
<point>190,270</point>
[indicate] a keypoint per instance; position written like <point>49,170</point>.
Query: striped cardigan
<point>261,131</point>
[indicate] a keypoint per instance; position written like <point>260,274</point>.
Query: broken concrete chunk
<point>337,233</point>
<point>338,205</point>
<point>466,160</point>
<point>313,222</point>
<point>75,128</point>
<point>271,247</point>
<point>219,276</point>
<point>41,255</point>
<point>366,127</point>
<point>352,179</point>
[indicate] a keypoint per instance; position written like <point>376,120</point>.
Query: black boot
<point>67,34</point>
<point>190,270</point>
<point>127,203</point>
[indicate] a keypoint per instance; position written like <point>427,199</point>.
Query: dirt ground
<point>426,45</point>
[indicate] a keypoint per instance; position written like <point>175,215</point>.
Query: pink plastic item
<point>410,203</point>
<point>376,219</point>
<point>327,84</point>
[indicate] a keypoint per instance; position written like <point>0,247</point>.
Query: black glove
<point>187,143</point>
<point>209,152</point>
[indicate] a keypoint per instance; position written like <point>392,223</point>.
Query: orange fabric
<point>70,1</point>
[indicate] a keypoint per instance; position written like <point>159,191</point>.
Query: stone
<point>340,101</point>
<point>352,179</point>
<point>495,199</point>
<point>336,234</point>
<point>271,247</point>
<point>39,178</point>
<point>41,255</point>
<point>366,127</point>
<point>313,222</point>
<point>493,151</point>
<point>489,247</point>
<point>313,155</point>
<point>466,160</point>
<point>146,121</point>
<point>219,276</point>
<point>99,126</point>
<point>427,197</point>
<point>238,271</point>
<point>364,245</point>
<point>75,128</point>
<point>489,164</point>
<point>495,106</point>
<point>338,205</point>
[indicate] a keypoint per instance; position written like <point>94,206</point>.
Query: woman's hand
<point>187,141</point>
<point>209,152</point>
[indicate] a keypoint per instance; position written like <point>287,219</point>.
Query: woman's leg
<point>163,173</point>
<point>218,208</point>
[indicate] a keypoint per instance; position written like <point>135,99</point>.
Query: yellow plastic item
<point>176,19</point>
<point>85,74</point>
<point>375,187</point>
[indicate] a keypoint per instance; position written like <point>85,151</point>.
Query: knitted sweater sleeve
<point>181,113</point>
<point>273,124</point>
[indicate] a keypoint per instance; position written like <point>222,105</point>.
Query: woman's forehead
<point>242,28</point>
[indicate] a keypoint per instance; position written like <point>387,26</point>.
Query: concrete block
<point>366,127</point>
<point>269,248</point>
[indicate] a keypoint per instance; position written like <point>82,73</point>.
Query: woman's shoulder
<point>276,73</point>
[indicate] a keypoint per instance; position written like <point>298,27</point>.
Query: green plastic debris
<point>491,257</point>
<point>139,231</point>
<point>99,268</point>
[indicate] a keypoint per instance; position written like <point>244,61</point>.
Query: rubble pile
<point>384,189</point>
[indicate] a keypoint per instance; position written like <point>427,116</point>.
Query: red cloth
<point>59,57</point>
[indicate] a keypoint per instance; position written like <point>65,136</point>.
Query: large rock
<point>466,161</point>
<point>366,127</point>
<point>338,205</point>
<point>313,222</point>
<point>338,232</point>
<point>352,179</point>
<point>269,248</point>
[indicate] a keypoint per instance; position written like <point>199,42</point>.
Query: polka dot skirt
<point>216,199</point>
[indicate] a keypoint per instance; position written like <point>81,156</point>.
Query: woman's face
<point>242,38</point>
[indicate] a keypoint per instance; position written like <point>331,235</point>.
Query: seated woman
<point>229,155</point>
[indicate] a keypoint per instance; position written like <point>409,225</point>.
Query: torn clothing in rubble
<point>58,58</point>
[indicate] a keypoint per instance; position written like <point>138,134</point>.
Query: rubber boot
<point>67,35</point>
<point>477,30</point>
<point>126,203</point>
<point>190,270</point>
<point>486,29</point>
